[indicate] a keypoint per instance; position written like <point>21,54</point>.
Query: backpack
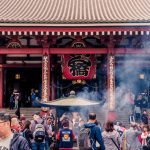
<point>84,139</point>
<point>120,132</point>
<point>23,134</point>
<point>39,133</point>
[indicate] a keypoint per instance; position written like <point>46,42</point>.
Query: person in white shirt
<point>9,140</point>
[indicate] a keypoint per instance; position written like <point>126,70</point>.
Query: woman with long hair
<point>27,132</point>
<point>111,137</point>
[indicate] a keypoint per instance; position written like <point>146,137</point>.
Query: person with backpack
<point>38,131</point>
<point>65,136</point>
<point>36,120</point>
<point>90,134</point>
<point>26,132</point>
<point>39,137</point>
<point>9,140</point>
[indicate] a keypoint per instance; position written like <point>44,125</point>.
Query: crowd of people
<point>138,106</point>
<point>45,132</point>
<point>16,99</point>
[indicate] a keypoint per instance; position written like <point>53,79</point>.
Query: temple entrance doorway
<point>21,81</point>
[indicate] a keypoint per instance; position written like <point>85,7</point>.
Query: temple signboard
<point>111,82</point>
<point>79,66</point>
<point>45,78</point>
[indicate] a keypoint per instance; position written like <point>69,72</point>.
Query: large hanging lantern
<point>79,66</point>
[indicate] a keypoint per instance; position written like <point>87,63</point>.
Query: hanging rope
<point>91,86</point>
<point>65,87</point>
<point>60,87</point>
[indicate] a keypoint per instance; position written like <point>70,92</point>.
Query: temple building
<point>55,46</point>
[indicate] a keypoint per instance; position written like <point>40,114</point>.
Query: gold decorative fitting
<point>78,81</point>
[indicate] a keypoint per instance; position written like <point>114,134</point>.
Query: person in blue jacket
<point>95,132</point>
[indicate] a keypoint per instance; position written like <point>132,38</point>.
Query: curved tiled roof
<point>74,11</point>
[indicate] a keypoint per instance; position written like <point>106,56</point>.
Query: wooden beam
<point>78,50</point>
<point>143,65</point>
<point>21,50</point>
<point>132,51</point>
<point>23,58</point>
<point>54,51</point>
<point>22,65</point>
<point>74,51</point>
<point>73,29</point>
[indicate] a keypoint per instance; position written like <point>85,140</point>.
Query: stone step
<point>101,114</point>
<point>26,111</point>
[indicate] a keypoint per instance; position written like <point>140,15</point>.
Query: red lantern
<point>79,66</point>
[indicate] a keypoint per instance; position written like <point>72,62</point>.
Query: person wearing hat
<point>9,140</point>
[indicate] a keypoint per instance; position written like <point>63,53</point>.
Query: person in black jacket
<point>27,134</point>
<point>9,140</point>
<point>144,117</point>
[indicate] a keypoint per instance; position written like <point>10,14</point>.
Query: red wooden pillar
<point>53,75</point>
<point>1,86</point>
<point>53,90</point>
<point>45,72</point>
